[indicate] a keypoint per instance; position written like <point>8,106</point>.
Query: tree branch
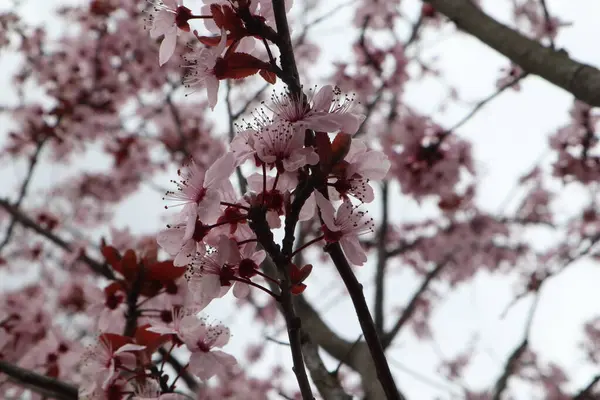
<point>44,385</point>
<point>381,262</point>
<point>328,383</point>
<point>355,290</point>
<point>412,305</point>
<point>581,80</point>
<point>98,267</point>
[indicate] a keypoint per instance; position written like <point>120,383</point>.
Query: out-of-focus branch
<point>44,385</point>
<point>27,222</point>
<point>328,384</point>
<point>23,191</point>
<point>381,261</point>
<point>581,80</point>
<point>412,305</point>
<point>188,378</point>
<point>355,290</point>
<point>514,358</point>
<point>587,393</point>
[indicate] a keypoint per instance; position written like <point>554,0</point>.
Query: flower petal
<point>167,47</point>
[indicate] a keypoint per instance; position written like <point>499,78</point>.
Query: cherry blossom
<point>101,361</point>
<point>205,362</point>
<point>201,69</point>
<point>345,226</point>
<point>328,110</point>
<point>360,166</point>
<point>166,17</point>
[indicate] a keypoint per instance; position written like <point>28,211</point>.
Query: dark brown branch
<point>381,261</point>
<point>513,360</point>
<point>355,290</point>
<point>132,314</point>
<point>24,220</point>
<point>258,224</point>
<point>582,80</point>
<point>587,393</point>
<point>188,378</point>
<point>412,305</point>
<point>44,385</point>
<point>286,50</point>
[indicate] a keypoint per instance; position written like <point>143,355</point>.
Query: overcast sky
<point>509,137</point>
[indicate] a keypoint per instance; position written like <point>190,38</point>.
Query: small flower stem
<point>224,203</point>
<point>177,377</point>
<point>264,289</point>
<point>247,241</point>
<point>276,180</point>
<point>305,245</point>
<point>264,170</point>
<point>164,360</point>
<point>275,281</point>
<point>200,17</point>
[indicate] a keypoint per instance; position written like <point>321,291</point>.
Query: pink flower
<point>212,275</point>
<point>182,239</point>
<point>205,362</point>
<point>150,390</point>
<point>183,324</point>
<point>328,111</point>
<point>200,192</point>
<point>345,227</point>
<point>100,363</point>
<point>282,145</point>
<point>202,69</point>
<point>361,166</point>
<point>164,19</point>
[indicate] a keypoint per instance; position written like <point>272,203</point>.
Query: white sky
<point>509,137</point>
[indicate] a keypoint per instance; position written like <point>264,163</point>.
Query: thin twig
<point>100,268</point>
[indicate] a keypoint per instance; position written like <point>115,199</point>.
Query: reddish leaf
<point>113,288</point>
<point>164,271</point>
<point>298,288</point>
<point>111,255</point>
<point>114,340</point>
<point>324,150</point>
<point>151,340</point>
<point>238,65</point>
<point>268,76</point>
<point>298,275</point>
<point>341,146</point>
<point>128,265</point>
<point>217,14</point>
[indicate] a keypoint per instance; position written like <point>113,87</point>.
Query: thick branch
<point>327,382</point>
<point>98,267</point>
<point>582,80</point>
<point>44,385</point>
<point>288,60</point>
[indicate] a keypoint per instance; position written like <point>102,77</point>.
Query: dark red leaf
<point>341,146</point>
<point>268,76</point>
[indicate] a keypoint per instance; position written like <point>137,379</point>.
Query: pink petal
<point>241,290</point>
<point>323,98</point>
<point>167,47</point>
<point>327,211</point>
<point>185,255</point>
<point>308,209</point>
<point>170,240</point>
<point>353,250</point>
<point>221,170</point>
<point>129,347</point>
<point>212,89</point>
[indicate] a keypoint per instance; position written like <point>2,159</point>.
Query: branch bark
<point>44,385</point>
<point>581,80</point>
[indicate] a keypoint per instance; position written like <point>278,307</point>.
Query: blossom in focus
<point>201,69</point>
<point>360,166</point>
<point>327,111</point>
<point>166,18</point>
<point>205,362</point>
<point>345,227</point>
